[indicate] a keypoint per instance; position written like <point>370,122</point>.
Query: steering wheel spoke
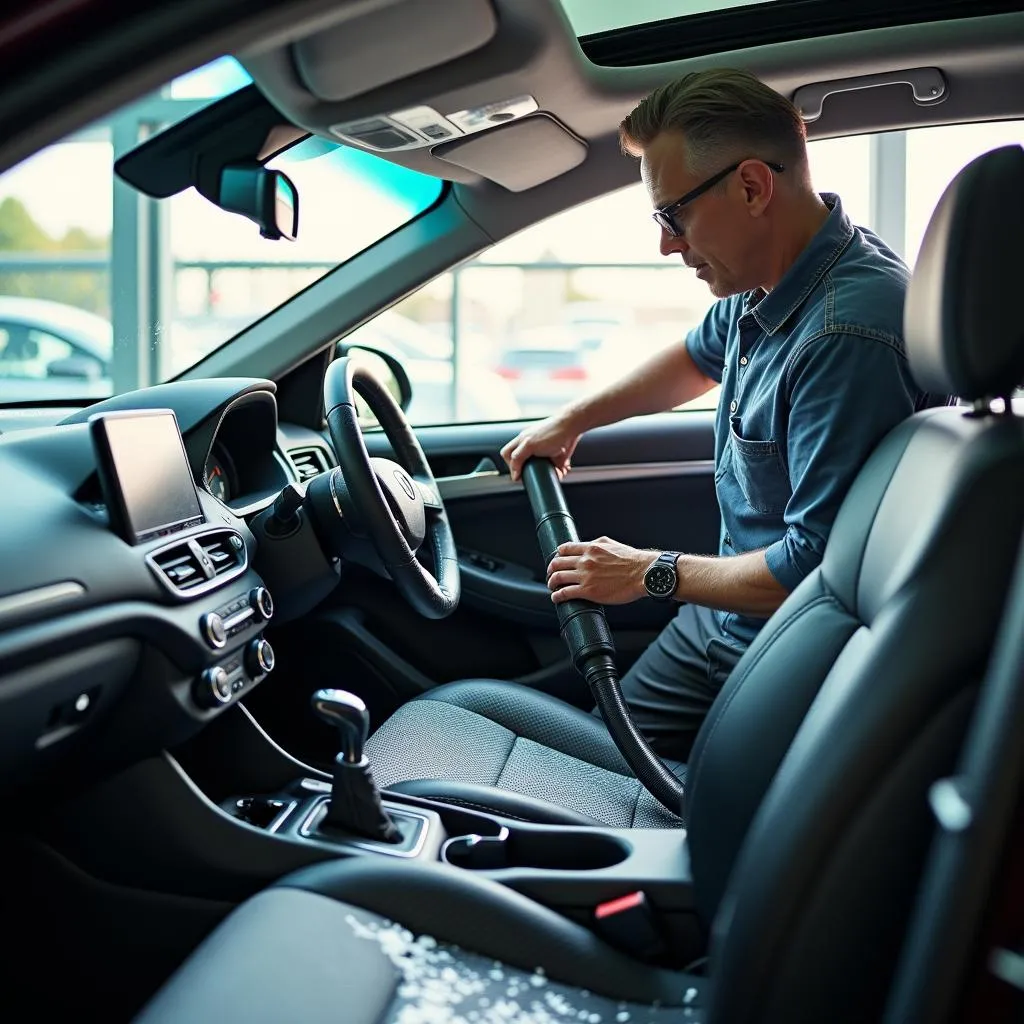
<point>429,494</point>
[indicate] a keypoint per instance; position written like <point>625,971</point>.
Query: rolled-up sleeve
<point>706,342</point>
<point>845,392</point>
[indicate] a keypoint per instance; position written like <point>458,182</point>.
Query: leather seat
<point>928,513</point>
<point>808,809</point>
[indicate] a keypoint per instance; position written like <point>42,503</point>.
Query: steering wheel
<point>379,512</point>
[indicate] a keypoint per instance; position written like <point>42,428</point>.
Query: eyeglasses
<point>665,216</point>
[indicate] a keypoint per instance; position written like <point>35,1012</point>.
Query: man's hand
<point>552,439</point>
<point>602,570</point>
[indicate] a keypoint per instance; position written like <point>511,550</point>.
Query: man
<point>806,342</point>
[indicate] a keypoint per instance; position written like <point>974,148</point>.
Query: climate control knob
<point>211,626</point>
<point>259,657</point>
<point>213,688</point>
<point>261,602</point>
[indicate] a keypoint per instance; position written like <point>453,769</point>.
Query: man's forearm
<point>737,583</point>
<point>667,379</point>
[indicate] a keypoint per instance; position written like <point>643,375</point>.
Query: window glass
<point>227,276</point>
<point>141,290</point>
<point>934,155</point>
<point>568,304</point>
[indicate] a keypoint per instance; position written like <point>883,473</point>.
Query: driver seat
<point>907,594</point>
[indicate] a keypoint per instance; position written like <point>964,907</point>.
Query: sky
<point>587,16</point>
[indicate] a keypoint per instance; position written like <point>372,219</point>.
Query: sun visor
<point>517,155</point>
<point>407,35</point>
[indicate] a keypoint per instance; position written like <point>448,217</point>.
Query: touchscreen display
<point>143,469</point>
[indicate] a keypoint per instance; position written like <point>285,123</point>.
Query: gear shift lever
<point>355,800</point>
<point>346,712</point>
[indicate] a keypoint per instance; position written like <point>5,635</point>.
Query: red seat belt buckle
<point>629,923</point>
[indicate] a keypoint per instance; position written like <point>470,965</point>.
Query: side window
<point>571,303</point>
<point>559,310</point>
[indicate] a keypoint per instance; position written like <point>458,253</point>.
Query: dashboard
<point>119,639</point>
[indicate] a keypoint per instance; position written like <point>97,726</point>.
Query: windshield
<point>103,290</point>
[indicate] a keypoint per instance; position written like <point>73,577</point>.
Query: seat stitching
<point>828,598</point>
<point>636,804</point>
<point>461,802</point>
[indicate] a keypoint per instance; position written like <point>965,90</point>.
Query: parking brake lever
<point>355,800</point>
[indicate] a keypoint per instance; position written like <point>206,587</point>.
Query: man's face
<point>722,231</point>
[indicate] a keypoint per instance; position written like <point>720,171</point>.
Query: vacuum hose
<point>585,631</point>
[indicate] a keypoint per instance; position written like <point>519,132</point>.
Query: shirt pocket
<point>759,472</point>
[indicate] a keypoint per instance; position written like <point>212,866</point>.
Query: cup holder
<point>560,850</point>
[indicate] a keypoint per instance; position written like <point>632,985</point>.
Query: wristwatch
<point>661,577</point>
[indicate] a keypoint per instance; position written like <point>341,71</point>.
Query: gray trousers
<point>672,685</point>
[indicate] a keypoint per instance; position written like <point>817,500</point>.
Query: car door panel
<point>648,482</point>
<point>667,505</point>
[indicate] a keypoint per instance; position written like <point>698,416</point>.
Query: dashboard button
<point>214,687</point>
<point>211,625</point>
<point>261,602</point>
<point>259,657</point>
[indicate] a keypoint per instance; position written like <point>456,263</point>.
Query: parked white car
<point>50,350</point>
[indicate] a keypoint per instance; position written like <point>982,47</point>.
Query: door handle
<point>484,478</point>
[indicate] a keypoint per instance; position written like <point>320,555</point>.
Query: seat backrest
<point>872,663</point>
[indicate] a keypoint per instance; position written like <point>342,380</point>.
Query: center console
<point>197,824</point>
<point>208,608</point>
<point>631,886</point>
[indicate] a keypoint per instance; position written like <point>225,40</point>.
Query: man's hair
<point>722,113</point>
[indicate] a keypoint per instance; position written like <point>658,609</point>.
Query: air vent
<point>222,555</point>
<point>180,566</point>
<point>191,567</point>
<point>309,462</point>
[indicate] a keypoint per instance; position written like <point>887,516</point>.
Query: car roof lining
<point>567,151</point>
<point>533,52</point>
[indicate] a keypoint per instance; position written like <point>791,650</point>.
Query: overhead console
<point>454,89</point>
<point>424,126</point>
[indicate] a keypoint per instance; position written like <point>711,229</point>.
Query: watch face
<point>660,581</point>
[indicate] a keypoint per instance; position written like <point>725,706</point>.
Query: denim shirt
<point>813,376</point>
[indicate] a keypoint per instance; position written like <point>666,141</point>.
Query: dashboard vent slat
<point>309,462</point>
<point>221,555</point>
<point>181,566</point>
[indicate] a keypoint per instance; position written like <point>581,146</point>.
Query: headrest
<point>962,323</point>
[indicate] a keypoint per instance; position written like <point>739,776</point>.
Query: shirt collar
<point>773,309</point>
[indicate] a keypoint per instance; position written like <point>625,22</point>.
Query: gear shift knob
<point>348,714</point>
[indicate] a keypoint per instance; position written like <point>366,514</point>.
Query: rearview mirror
<point>267,197</point>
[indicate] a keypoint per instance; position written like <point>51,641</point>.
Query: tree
<point>21,235</point>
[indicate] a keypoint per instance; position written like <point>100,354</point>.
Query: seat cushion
<point>367,942</point>
<point>505,748</point>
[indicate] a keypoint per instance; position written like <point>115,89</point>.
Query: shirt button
<point>743,360</point>
<point>733,405</point>
<point>728,540</point>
